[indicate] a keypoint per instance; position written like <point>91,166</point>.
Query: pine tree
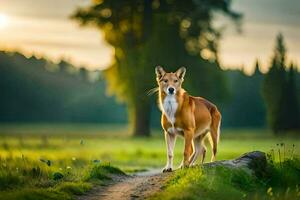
<point>279,92</point>
<point>291,106</point>
<point>273,85</point>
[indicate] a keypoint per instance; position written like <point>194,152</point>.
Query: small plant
<point>57,176</point>
<point>36,172</point>
<point>283,154</point>
<point>103,172</point>
<point>48,162</point>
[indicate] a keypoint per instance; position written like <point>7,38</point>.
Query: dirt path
<point>138,186</point>
<point>145,184</point>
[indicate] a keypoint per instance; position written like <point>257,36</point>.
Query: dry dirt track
<point>138,186</point>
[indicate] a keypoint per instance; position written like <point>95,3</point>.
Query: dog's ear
<point>180,73</point>
<point>160,72</point>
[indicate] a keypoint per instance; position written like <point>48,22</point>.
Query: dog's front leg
<point>170,143</point>
<point>188,147</point>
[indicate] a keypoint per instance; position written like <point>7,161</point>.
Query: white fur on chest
<point>169,107</point>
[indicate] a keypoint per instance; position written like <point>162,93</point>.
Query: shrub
<point>103,172</point>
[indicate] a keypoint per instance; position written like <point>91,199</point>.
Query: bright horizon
<point>51,34</point>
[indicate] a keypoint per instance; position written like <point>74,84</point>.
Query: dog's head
<point>170,82</point>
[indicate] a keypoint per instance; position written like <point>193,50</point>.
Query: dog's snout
<point>171,90</point>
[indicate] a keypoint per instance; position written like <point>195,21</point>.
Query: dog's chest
<point>170,105</point>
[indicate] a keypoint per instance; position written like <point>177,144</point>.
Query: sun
<point>3,20</point>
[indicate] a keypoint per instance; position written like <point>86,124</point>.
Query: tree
<point>289,108</point>
<point>279,92</point>
<point>146,33</point>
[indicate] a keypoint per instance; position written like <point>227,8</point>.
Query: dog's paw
<point>194,165</point>
<point>180,166</point>
<point>167,170</point>
<point>183,166</point>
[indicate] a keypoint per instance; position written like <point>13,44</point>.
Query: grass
<point>59,161</point>
<point>35,181</point>
<point>102,172</point>
<point>279,181</point>
<point>30,181</point>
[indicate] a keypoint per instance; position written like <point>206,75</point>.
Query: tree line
<point>37,90</point>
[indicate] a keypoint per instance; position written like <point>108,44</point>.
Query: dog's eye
<point>165,80</point>
<point>175,81</point>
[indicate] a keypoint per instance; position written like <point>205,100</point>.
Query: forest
<point>38,90</point>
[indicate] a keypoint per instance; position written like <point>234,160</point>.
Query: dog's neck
<point>170,104</point>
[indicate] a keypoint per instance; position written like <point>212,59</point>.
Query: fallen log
<point>254,162</point>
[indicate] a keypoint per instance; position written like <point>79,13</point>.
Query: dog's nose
<point>171,90</point>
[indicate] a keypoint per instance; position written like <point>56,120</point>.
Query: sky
<point>43,28</point>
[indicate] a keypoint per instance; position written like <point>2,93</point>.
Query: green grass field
<point>30,155</point>
<point>67,145</point>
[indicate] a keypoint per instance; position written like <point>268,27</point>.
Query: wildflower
<point>269,191</point>
<point>68,167</point>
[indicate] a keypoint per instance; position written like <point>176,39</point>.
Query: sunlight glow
<point>3,20</point>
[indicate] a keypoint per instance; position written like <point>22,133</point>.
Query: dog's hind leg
<point>200,149</point>
<point>215,132</point>
<point>196,151</point>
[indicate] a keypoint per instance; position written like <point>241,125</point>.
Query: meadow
<point>69,159</point>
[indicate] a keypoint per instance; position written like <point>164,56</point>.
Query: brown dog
<point>188,116</point>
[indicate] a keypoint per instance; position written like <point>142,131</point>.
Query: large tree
<point>145,33</point>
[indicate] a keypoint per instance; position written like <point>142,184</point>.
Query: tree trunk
<point>141,118</point>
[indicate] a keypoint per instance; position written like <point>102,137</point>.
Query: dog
<point>187,116</point>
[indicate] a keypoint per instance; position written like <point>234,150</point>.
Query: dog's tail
<point>215,131</point>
